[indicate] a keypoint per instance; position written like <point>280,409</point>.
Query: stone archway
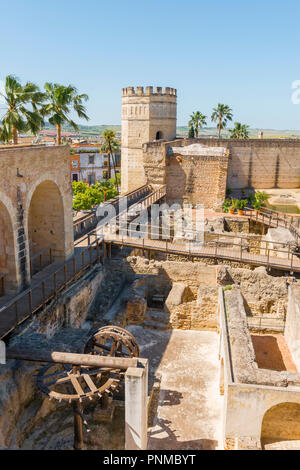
<point>159,135</point>
<point>46,221</point>
<point>8,271</point>
<point>280,426</point>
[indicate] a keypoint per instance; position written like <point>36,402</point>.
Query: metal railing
<point>40,293</point>
<point>41,259</point>
<point>276,219</point>
<point>89,222</point>
<point>34,298</point>
<point>272,257</point>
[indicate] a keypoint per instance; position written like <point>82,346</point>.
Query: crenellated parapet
<point>149,90</point>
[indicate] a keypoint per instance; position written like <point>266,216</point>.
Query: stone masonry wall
<point>253,163</point>
<point>193,179</point>
<point>198,181</point>
<point>27,174</point>
<point>260,163</point>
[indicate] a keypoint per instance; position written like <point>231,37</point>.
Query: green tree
<point>81,202</point>
<point>240,131</point>
<point>110,146</point>
<point>221,114</point>
<point>79,187</point>
<point>86,197</point>
<point>17,117</point>
<point>108,188</point>
<point>61,100</point>
<point>197,121</point>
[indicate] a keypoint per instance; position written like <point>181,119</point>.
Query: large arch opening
<point>8,275</point>
<point>159,135</point>
<point>281,427</point>
<point>46,234</point>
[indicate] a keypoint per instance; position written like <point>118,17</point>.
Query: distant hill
<point>182,131</point>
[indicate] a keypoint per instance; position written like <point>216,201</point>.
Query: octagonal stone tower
<point>146,116</point>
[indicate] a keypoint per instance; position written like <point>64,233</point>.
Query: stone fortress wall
<point>260,163</point>
<point>147,115</point>
<point>149,130</point>
<point>192,173</point>
<point>202,178</point>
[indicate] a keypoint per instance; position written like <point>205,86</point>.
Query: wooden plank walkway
<point>276,219</point>
<point>272,258</point>
<point>45,286</point>
<point>49,282</point>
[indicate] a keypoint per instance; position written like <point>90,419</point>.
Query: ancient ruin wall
<point>292,324</point>
<point>254,163</point>
<point>190,178</point>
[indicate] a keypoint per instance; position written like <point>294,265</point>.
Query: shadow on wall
<point>267,352</point>
<point>176,181</point>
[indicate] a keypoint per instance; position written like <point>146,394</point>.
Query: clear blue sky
<point>242,53</point>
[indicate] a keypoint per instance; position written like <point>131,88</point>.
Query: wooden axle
<point>87,360</point>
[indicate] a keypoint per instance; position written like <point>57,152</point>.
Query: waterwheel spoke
<point>102,346</point>
<point>89,382</point>
<point>76,385</point>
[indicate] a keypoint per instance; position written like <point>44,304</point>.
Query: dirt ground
<point>273,353</point>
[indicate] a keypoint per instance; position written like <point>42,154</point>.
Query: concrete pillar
<point>136,406</point>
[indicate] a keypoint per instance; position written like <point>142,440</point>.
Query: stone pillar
<point>136,406</point>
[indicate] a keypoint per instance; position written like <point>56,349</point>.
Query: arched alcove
<point>281,423</point>
<point>7,253</point>
<point>46,221</point>
<point>159,135</point>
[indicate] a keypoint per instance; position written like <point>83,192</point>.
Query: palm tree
<point>17,117</point>
<point>191,133</point>
<point>110,146</point>
<point>60,99</point>
<point>105,186</point>
<point>221,114</point>
<point>197,120</point>
<point>240,131</point>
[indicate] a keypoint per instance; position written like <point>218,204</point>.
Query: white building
<point>89,165</point>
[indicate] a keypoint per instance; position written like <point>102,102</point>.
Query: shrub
<point>226,205</point>
<point>229,287</point>
<point>241,204</point>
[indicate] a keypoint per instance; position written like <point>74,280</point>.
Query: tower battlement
<point>149,90</point>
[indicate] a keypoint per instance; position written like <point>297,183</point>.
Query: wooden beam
<point>71,358</point>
